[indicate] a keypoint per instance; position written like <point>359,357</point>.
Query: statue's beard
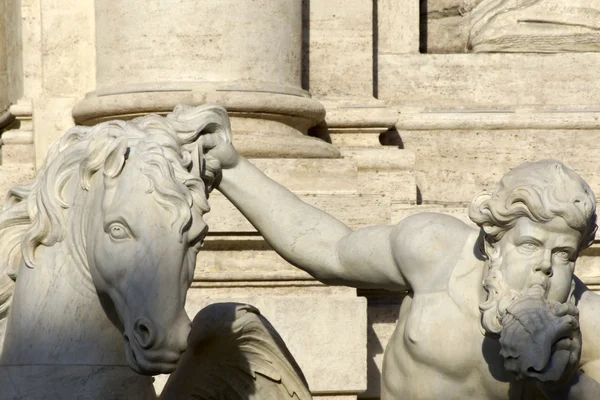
<point>501,295</point>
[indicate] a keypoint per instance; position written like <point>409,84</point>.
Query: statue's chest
<point>437,332</point>
<point>445,343</point>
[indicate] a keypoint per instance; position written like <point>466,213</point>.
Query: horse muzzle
<point>149,352</point>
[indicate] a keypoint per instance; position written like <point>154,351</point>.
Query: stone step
<point>355,210</point>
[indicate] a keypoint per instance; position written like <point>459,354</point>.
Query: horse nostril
<point>143,334</point>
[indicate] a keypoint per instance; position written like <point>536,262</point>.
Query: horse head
<point>128,200</point>
<point>143,232</point>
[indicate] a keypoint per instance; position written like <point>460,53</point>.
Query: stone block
<point>11,62</point>
<point>374,209</point>
<point>32,65</point>
<point>69,59</point>
<point>384,170</point>
<point>341,48</point>
<point>490,81</point>
<point>311,175</point>
<point>3,61</point>
<point>12,175</point>
<point>51,119</point>
<point>245,265</point>
<point>355,139</point>
<point>18,154</point>
<point>453,166</point>
<point>398,26</point>
<point>381,323</point>
<point>327,336</point>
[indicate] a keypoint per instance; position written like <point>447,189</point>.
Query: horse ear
<point>116,156</point>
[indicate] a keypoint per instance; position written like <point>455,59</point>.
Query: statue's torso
<point>437,352</point>
<point>438,349</point>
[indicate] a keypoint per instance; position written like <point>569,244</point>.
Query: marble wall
<point>372,110</point>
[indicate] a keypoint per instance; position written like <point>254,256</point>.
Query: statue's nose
<point>144,333</point>
<point>545,264</point>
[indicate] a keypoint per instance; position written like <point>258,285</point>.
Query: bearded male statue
<point>532,329</point>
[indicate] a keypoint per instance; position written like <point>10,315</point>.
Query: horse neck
<point>56,318</point>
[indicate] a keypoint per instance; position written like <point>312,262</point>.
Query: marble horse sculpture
<point>97,255</point>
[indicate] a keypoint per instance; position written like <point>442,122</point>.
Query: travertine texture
<point>519,333</point>
<point>393,130</point>
<point>208,41</point>
<point>336,27</point>
<point>11,79</point>
<point>104,241</point>
<point>3,60</point>
<point>537,26</point>
<point>394,37</point>
<point>482,82</point>
<point>312,330</point>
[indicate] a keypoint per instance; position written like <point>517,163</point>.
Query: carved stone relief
<point>96,257</point>
<point>528,26</point>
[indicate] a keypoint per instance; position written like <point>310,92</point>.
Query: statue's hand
<point>541,339</point>
<point>218,155</point>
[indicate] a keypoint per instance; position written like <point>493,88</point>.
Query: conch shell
<point>530,335</point>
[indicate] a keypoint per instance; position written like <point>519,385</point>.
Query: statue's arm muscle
<point>310,238</point>
<point>426,247</point>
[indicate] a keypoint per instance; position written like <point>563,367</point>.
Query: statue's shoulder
<point>430,228</point>
<point>427,246</point>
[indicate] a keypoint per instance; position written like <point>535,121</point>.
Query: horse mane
<point>34,214</point>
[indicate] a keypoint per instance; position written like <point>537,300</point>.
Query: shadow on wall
<point>382,317</point>
<point>236,354</point>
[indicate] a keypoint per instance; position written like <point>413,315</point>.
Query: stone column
<point>243,54</point>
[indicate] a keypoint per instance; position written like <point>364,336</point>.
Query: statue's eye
<point>563,255</point>
<point>530,246</point>
<point>118,231</point>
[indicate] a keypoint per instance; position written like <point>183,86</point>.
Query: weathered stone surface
<point>168,44</point>
<point>57,110</point>
<point>14,174</point>
<point>397,26</point>
<point>490,81</point>
<point>325,335</point>
<point>542,26</point>
<point>341,48</point>
<point>453,166</point>
<point>18,154</point>
<point>105,242</point>
<point>68,50</point>
<point>225,218</point>
<point>3,60</point>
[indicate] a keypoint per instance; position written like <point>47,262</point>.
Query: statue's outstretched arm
<point>310,238</point>
<point>234,353</point>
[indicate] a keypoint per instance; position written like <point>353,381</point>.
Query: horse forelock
<point>36,214</point>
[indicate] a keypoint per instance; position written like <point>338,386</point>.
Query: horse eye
<point>118,231</point>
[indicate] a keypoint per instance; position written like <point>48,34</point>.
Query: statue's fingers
<point>564,344</point>
<point>210,141</point>
<point>560,309</point>
<point>565,327</point>
<point>572,309</point>
<point>208,175</point>
<point>212,164</point>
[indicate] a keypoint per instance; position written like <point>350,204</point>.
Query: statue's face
<point>142,268</point>
<point>542,253</point>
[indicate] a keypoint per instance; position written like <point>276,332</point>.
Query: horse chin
<point>150,362</point>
